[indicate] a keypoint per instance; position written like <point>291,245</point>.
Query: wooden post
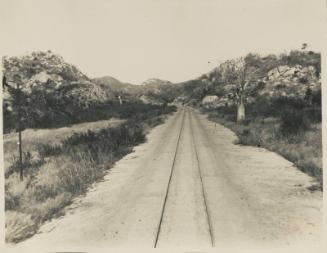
<point>20,154</point>
<point>19,123</point>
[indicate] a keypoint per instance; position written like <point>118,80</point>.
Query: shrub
<point>46,150</point>
<point>19,226</point>
<point>14,190</point>
<point>293,121</point>
<point>75,177</point>
<point>310,168</point>
<point>49,208</point>
<point>107,139</point>
<point>313,113</point>
<point>28,163</point>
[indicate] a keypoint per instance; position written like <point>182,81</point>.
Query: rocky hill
<point>51,90</point>
<point>288,75</point>
<point>49,74</point>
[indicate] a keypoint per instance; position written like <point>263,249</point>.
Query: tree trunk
<point>240,111</point>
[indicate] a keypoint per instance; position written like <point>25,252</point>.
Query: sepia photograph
<point>186,125</point>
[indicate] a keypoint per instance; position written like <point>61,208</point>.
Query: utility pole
<point>19,123</point>
<point>19,120</point>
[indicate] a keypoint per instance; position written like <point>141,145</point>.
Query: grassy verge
<point>56,172</point>
<point>302,147</point>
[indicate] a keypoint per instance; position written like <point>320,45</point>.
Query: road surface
<point>190,186</point>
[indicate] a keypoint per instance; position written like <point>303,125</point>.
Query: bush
<point>314,114</point>
<point>248,137</point>
<point>49,208</point>
<point>293,121</point>
<point>19,226</point>
<point>261,107</point>
<point>127,133</point>
<point>46,150</point>
<point>28,163</point>
<point>310,168</point>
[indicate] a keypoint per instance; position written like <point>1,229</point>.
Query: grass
<point>302,146</point>
<point>36,140</point>
<point>65,115</point>
<point>62,164</point>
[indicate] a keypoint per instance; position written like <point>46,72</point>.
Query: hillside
<point>151,91</point>
<point>268,101</point>
<point>51,90</point>
<point>117,88</point>
<point>54,93</point>
<point>290,74</point>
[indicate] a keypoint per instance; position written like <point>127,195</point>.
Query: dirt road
<point>190,186</point>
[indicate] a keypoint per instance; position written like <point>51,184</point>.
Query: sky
<point>175,40</point>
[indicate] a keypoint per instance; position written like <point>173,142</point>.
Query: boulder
<point>297,73</point>
<point>209,99</point>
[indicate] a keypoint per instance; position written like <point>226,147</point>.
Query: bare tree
<point>242,80</point>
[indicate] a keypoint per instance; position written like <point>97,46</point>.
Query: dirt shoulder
<point>268,195</point>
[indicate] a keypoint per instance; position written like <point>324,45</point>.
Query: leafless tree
<point>243,81</point>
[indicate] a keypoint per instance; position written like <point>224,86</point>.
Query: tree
<point>242,79</point>
<point>304,46</point>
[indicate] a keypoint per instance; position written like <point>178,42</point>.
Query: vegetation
<point>271,101</point>
<point>290,127</point>
<point>244,79</point>
<point>44,90</point>
<point>240,74</point>
<point>50,93</point>
<point>264,107</point>
<point>42,93</point>
<point>56,172</point>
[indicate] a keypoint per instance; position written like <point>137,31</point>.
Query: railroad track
<point>186,114</point>
<point>204,194</point>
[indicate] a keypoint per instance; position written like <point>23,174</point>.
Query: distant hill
<point>115,85</point>
<point>155,91</point>
<point>155,83</point>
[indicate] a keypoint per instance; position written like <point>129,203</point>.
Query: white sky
<point>168,39</point>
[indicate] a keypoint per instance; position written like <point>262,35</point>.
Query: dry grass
<point>33,138</point>
<point>61,164</point>
<point>304,148</point>
<point>19,226</point>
